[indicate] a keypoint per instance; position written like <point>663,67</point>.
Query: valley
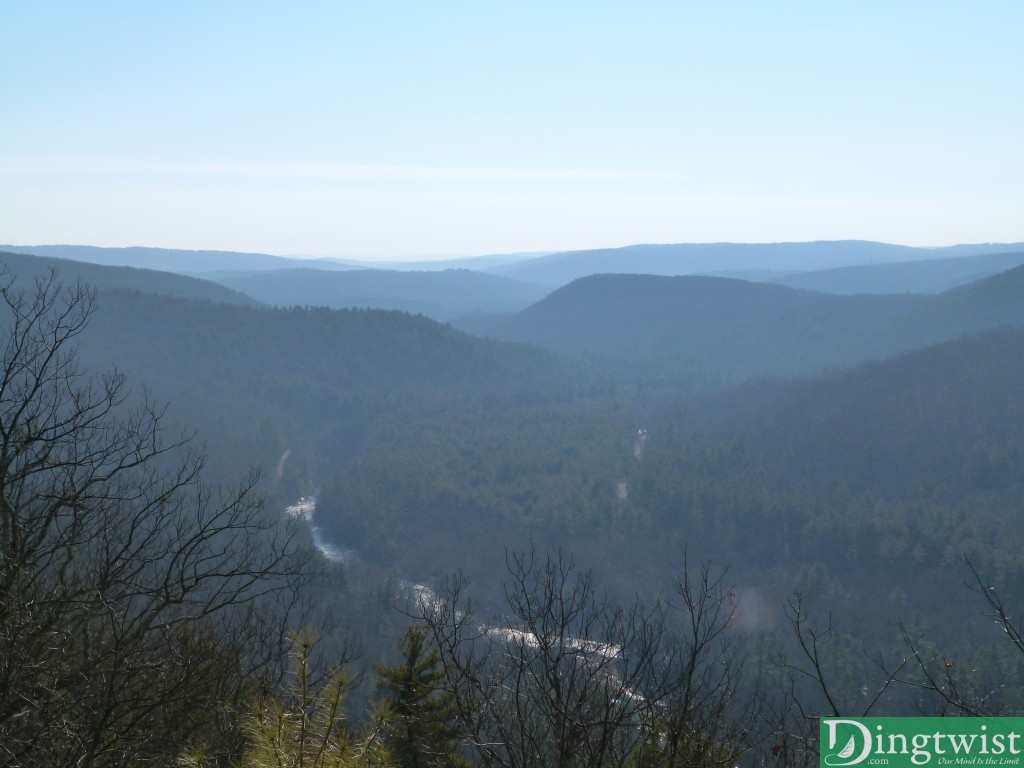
<point>849,456</point>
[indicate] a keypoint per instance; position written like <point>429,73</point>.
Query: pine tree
<point>418,728</point>
<point>306,727</point>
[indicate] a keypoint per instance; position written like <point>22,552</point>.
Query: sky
<point>383,129</point>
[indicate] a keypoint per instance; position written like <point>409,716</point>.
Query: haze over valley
<point>862,450</point>
<point>511,385</point>
<point>432,449</point>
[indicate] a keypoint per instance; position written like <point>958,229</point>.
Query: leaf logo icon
<point>848,749</point>
<point>849,754</point>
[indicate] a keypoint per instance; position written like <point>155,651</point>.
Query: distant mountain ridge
<point>27,267</point>
<point>698,258</point>
<point>437,449</point>
<point>441,295</point>
<point>173,260</point>
<point>511,282</point>
<point>552,268</point>
<point>738,329</point>
<point>922,276</point>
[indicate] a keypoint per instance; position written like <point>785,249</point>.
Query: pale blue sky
<point>383,129</point>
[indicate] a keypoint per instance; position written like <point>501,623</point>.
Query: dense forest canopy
<point>732,330</point>
<point>677,437</point>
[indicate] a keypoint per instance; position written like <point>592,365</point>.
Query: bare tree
<point>923,678</point>
<point>945,687</point>
<point>570,679</point>
<point>811,689</point>
<point>131,594</point>
<point>707,709</point>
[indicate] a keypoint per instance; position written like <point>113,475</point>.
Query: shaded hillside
<point>258,383</point>
<point>173,260</point>
<point>991,301</point>
<point>731,328</point>
<point>698,258</point>
<point>950,417</point>
<point>736,329</point>
<point>925,276</point>
<point>27,267</point>
<point>428,495</point>
<point>861,491</point>
<point>357,350</point>
<point>442,295</point>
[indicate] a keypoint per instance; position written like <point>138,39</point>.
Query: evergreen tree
<point>306,727</point>
<point>418,721</point>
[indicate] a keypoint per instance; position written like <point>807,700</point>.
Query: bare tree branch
<point>132,596</point>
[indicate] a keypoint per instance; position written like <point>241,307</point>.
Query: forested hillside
<point>27,267</point>
<point>730,330</point>
<point>924,423</point>
<point>922,276</point>
<point>490,475</point>
<point>936,432</point>
<point>442,295</point>
<point>418,433</point>
<point>511,384</point>
<point>258,384</point>
<point>749,477</point>
<point>862,493</point>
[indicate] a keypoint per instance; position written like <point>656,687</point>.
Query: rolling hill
<point>259,383</point>
<point>860,490</point>
<point>434,450</point>
<point>27,267</point>
<point>695,258</point>
<point>442,295</point>
<point>174,260</point>
<point>924,276</point>
<point>944,417</point>
<point>736,329</point>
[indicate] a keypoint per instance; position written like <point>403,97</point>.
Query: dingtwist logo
<point>913,742</point>
<point>849,754</point>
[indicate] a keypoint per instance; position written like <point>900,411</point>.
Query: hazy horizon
<point>408,131</point>
<point>439,258</point>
